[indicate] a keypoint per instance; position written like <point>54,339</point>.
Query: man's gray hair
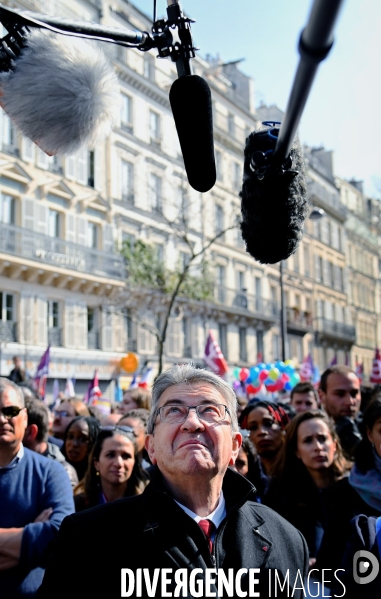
<point>187,373</point>
<point>7,385</point>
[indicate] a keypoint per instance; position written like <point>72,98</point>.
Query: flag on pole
<point>375,376</point>
<point>69,388</point>
<point>134,382</point>
<point>333,362</point>
<point>93,390</point>
<point>213,356</point>
<point>144,379</point>
<point>55,391</point>
<point>39,379</point>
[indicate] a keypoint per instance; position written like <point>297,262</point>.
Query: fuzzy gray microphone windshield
<point>60,92</point>
<point>274,199</point>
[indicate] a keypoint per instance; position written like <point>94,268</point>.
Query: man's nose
<point>192,421</point>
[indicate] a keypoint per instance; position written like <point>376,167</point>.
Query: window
<point>155,191</point>
<point>306,257</point>
<point>242,344</point>
<point>91,235</point>
<point>231,125</point>
<point>53,223</point>
<point>90,319</point>
<point>219,165</point>
<point>91,169</point>
<point>221,281</point>
<point>260,355</point>
<point>53,315</point>
<point>154,127</point>
<point>126,113</point>
<point>6,307</point>
<point>184,260</point>
<point>223,339</point>
<point>128,239</point>
<point>8,136</point>
<point>241,280</point>
<point>237,175</point>
<point>149,67</point>
<point>7,209</point>
<point>127,181</point>
<point>159,251</point>
<point>296,261</point>
<point>220,218</point>
<point>182,204</point>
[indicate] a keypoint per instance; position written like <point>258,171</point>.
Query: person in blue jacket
<point>35,496</point>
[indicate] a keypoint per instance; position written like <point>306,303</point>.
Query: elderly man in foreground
<point>196,530</point>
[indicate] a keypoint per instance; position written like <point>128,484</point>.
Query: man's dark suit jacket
<point>152,531</point>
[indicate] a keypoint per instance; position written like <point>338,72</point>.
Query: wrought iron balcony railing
<point>55,336</point>
<point>25,243</point>
<point>242,300</point>
<point>8,331</point>
<point>93,340</point>
<point>339,330</point>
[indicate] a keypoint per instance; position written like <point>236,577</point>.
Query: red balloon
<point>244,374</point>
<point>272,388</point>
<point>285,378</point>
<point>279,385</point>
<point>250,389</point>
<point>263,375</point>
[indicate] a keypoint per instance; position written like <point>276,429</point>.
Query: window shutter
<point>82,158</point>
<point>41,220</point>
<point>119,332</point>
<point>82,231</point>
<point>70,227</point>
<point>70,169</point>
<point>108,238</point>
<point>28,150</point>
<point>26,319</point>
<point>107,341</point>
<point>70,325</point>
<point>42,321</point>
<point>42,159</point>
<point>28,211</point>
<point>81,325</point>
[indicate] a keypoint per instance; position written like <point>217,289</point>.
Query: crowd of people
<point>315,459</point>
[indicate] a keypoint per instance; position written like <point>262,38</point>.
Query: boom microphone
<point>191,104</point>
<point>61,93</point>
<point>274,198</point>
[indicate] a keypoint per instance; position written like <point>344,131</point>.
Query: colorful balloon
<point>236,372</point>
<point>263,375</point>
<point>254,372</point>
<point>261,366</point>
<point>274,374</point>
<point>244,374</point>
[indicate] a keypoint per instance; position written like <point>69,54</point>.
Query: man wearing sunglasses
<point>197,516</point>
<point>35,495</point>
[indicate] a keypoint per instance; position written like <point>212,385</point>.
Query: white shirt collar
<point>19,455</point>
<point>216,516</point>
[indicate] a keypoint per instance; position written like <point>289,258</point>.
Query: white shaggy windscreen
<point>61,93</point>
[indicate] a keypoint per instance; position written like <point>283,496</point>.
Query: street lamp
<point>315,214</point>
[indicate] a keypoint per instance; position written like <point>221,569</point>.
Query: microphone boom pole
<point>315,43</point>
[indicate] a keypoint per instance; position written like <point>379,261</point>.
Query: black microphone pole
<point>315,44</point>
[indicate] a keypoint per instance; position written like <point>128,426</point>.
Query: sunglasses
<point>125,429</point>
<point>10,412</point>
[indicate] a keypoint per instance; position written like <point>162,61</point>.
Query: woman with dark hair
<point>266,422</point>
<point>311,460</point>
<point>114,469</point>
<point>363,493</point>
<point>79,439</point>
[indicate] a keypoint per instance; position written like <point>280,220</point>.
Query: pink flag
<point>213,356</point>
<point>306,371</point>
<point>375,376</point>
<point>39,379</point>
<point>93,390</point>
<point>359,372</point>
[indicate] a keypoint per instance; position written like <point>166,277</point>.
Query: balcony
<point>55,336</point>
<point>335,330</point>
<point>132,345</point>
<point>244,303</point>
<point>233,131</point>
<point>58,253</point>
<point>298,322</point>
<point>329,200</point>
<point>93,340</point>
<point>7,331</point>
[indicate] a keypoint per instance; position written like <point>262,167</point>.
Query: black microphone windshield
<point>274,204</point>
<point>191,103</point>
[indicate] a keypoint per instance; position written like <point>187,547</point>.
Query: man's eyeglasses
<point>125,429</point>
<point>208,412</point>
<point>10,412</point>
<point>61,414</point>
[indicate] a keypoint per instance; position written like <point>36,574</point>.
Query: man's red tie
<point>208,527</point>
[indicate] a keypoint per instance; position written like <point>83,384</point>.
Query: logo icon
<point>365,567</point>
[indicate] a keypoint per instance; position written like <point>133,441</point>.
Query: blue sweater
<point>34,484</point>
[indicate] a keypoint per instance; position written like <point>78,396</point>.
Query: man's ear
<point>150,447</point>
<point>321,396</point>
<point>31,433</point>
<point>236,444</point>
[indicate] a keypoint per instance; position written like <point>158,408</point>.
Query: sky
<point>343,109</point>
